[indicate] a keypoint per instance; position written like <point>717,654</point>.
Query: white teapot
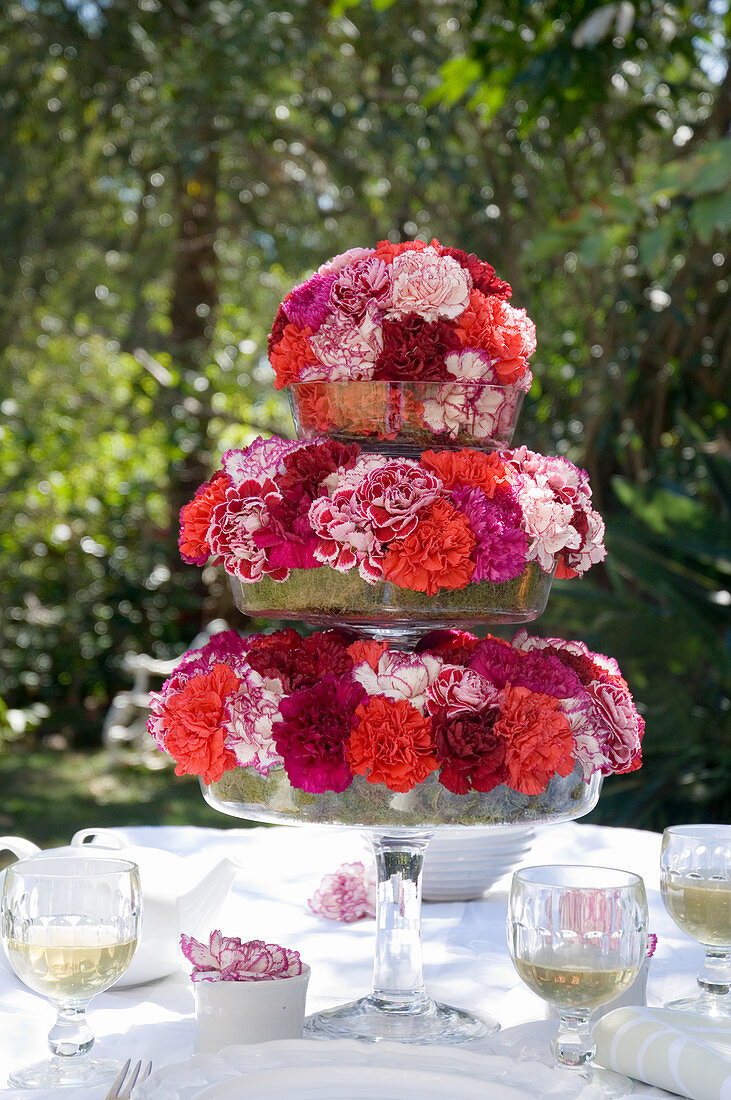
<point>167,911</point>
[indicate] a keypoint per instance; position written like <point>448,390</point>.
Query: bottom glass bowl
<point>242,792</point>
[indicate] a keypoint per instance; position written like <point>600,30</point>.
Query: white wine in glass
<point>70,928</point>
<point>577,937</point>
<point>695,878</point>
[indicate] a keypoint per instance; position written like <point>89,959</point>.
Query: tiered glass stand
<point>398,826</point>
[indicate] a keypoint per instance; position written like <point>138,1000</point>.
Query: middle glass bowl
<point>325,597</point>
<point>401,418</point>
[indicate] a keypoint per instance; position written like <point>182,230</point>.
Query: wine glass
<point>577,937</point>
<point>70,929</point>
<point>695,877</point>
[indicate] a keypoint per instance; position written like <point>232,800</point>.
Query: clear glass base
<point>56,1073</point>
<point>374,1020</point>
<point>714,1005</point>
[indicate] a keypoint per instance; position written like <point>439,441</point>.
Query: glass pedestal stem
<point>398,1007</point>
<point>398,983</point>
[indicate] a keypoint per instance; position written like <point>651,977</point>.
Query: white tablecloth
<point>465,954</point>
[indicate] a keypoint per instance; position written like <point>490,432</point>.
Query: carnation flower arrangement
<point>283,511</point>
<point>278,714</point>
<point>423,336</point>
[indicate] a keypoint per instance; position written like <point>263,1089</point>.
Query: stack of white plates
<point>460,864</point>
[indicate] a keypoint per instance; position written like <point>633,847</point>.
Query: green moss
<point>311,593</point>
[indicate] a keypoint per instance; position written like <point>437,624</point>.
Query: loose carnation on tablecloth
<point>330,709</point>
<point>405,314</point>
<point>228,959</point>
<point>437,523</point>
<point>347,895</point>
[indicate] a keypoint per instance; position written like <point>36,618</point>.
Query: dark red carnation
<point>290,539</point>
<point>300,662</point>
<point>414,350</point>
<point>455,646</point>
<point>273,656</point>
<point>321,653</point>
<point>314,731</point>
<point>471,755</point>
<point>306,468</point>
<point>280,323</point>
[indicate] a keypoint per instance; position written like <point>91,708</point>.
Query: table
<point>466,960</point>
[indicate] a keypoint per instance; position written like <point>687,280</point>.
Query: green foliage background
<point>170,169</point>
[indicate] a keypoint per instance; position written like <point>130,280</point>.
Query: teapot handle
<point>108,837</point>
<point>19,847</point>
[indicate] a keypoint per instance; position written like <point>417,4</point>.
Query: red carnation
<point>391,744</point>
<point>195,519</point>
<point>386,251</point>
<point>194,717</point>
<point>538,739</point>
<point>291,354</point>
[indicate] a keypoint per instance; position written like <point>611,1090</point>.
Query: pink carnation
<point>547,524</point>
<point>263,458</point>
<point>343,259</point>
<point>400,676</point>
<point>346,349</point>
<point>391,496</point>
<point>435,287</point>
<point>228,959</point>
<point>455,689</point>
<point>347,895</point>
<point>235,523</point>
<point>568,483</point>
<point>363,281</point>
<point>622,724</point>
<point>344,541</point>
<point>252,713</point>
<point>501,550</point>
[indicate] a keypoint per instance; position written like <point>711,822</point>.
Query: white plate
<point>308,1069</point>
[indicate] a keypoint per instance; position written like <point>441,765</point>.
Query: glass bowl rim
<point>532,876</point>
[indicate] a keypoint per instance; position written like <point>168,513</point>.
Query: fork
<point>124,1083</point>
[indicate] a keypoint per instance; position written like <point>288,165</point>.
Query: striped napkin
<point>677,1051</point>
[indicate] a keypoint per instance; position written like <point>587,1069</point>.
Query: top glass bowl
<point>404,418</point>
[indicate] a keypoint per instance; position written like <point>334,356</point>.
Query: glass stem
<point>398,983</point>
<point>71,1035</point>
<point>573,1046</point>
<point>715,977</point>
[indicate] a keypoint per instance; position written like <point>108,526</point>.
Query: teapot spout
<point>201,904</point>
